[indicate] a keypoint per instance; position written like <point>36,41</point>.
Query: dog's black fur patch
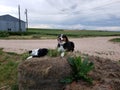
<point>69,46</point>
<point>41,52</point>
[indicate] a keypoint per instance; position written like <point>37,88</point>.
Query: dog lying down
<point>64,45</point>
<point>38,52</point>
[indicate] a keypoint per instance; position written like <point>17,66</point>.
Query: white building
<point>10,23</point>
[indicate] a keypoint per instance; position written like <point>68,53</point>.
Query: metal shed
<point>10,23</point>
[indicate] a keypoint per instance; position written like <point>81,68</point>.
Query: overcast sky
<point>67,14</point>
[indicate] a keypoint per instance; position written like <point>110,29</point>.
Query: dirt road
<point>97,46</point>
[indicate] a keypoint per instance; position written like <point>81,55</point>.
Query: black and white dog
<point>38,52</point>
<point>64,45</point>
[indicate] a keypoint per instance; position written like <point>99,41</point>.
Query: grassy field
<point>73,33</point>
<point>33,33</point>
<point>8,69</point>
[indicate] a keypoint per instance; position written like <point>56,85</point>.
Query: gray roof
<point>9,18</point>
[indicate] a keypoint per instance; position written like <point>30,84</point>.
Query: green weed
<point>80,70</point>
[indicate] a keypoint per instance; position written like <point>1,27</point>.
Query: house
<point>10,23</point>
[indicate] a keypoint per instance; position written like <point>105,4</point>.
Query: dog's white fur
<point>40,52</point>
<point>33,53</point>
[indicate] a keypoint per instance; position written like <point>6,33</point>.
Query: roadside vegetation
<point>115,40</point>
<point>8,69</point>
<point>33,33</point>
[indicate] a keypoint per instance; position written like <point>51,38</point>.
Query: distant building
<point>10,23</point>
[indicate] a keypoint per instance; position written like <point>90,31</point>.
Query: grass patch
<point>1,52</point>
<point>115,40</point>
<point>9,62</point>
<point>53,53</point>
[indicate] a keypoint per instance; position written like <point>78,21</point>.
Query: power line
<point>67,10</point>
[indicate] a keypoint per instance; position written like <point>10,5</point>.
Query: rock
<point>43,73</point>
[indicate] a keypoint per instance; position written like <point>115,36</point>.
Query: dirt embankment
<point>45,73</point>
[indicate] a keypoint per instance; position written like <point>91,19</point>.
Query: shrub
<point>4,34</point>
<point>80,70</point>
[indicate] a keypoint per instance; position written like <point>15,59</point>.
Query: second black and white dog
<point>38,52</point>
<point>64,45</point>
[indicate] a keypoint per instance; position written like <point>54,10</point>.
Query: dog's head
<point>62,38</point>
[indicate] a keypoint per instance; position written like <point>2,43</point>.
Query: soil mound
<point>45,73</point>
<point>106,76</point>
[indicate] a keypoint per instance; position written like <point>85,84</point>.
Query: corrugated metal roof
<point>9,18</point>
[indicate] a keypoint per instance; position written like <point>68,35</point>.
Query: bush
<point>80,69</point>
<point>4,34</point>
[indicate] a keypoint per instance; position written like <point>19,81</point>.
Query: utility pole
<point>19,18</point>
<point>26,14</point>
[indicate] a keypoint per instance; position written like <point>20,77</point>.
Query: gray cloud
<point>73,14</point>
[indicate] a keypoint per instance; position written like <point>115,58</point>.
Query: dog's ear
<point>66,38</point>
<point>59,35</point>
<point>58,38</point>
<point>30,51</point>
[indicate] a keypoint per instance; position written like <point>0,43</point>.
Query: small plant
<point>80,70</point>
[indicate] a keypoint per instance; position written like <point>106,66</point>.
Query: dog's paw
<point>29,57</point>
<point>62,54</point>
